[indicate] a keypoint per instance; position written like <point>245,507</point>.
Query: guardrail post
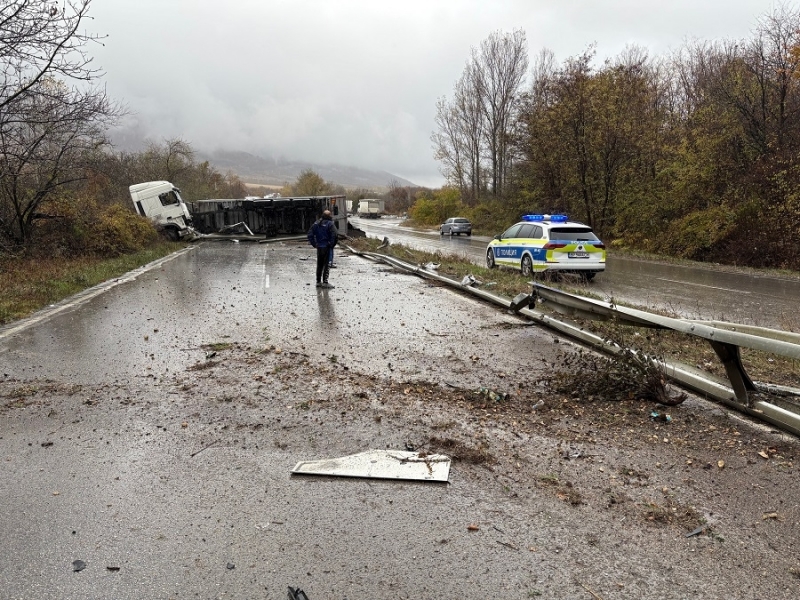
<point>732,361</point>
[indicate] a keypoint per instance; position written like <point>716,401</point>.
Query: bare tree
<point>501,64</point>
<point>480,121</point>
<point>544,71</point>
<point>40,40</point>
<point>179,158</point>
<point>46,126</point>
<point>468,105</point>
<point>448,144</point>
<point>398,199</point>
<point>459,140</point>
<point>773,61</point>
<point>44,145</point>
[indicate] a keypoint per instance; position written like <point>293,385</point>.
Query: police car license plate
<point>578,255</point>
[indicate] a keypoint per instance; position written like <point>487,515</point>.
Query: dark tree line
<point>693,154</point>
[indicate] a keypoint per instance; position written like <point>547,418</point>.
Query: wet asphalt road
<point>688,291</point>
<point>165,493</point>
<point>119,448</point>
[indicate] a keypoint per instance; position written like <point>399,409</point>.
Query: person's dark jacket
<point>323,234</point>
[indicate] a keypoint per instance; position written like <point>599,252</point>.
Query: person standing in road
<point>323,237</point>
<point>335,209</point>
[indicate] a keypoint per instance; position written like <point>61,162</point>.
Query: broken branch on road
<point>211,445</point>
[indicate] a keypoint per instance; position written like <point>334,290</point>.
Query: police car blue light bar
<point>551,218</point>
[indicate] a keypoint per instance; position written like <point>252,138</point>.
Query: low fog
<point>350,82</point>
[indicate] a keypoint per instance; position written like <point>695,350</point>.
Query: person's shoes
<point>327,286</point>
<point>331,266</point>
<point>319,284</point>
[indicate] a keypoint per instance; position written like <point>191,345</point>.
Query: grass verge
<point>29,284</point>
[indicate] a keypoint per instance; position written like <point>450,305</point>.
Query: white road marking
<point>712,287</point>
<point>86,295</point>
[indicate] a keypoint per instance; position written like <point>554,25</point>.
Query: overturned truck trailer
<point>266,216</point>
<point>162,202</point>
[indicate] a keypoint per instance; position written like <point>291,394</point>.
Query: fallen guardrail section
<point>777,405</point>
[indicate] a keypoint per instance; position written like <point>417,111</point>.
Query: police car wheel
<point>441,232</point>
<point>490,259</point>
<point>527,266</point>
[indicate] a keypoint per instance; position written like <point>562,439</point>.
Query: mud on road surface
<point>175,483</point>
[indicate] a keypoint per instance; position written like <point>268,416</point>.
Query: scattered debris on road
<point>211,445</point>
<point>655,415</point>
<point>381,464</point>
<point>491,394</point>
<point>698,531</point>
<point>297,594</point>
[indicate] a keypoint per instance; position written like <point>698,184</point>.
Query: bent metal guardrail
<point>777,405</point>
<point>769,402</point>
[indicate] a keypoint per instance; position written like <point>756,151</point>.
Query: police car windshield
<point>573,234</point>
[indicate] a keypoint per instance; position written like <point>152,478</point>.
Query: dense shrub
<point>118,230</point>
<point>82,226</point>
<point>432,208</point>
<point>698,233</point>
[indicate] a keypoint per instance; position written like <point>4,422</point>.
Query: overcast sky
<point>352,82</point>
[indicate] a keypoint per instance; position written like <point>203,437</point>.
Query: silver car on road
<point>456,225</point>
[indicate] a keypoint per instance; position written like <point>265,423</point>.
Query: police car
<point>548,243</point>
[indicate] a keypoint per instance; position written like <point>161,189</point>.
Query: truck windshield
<point>169,198</point>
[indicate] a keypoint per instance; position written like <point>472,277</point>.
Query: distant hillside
<point>271,171</point>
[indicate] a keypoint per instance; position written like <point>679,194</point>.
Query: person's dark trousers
<point>322,265</point>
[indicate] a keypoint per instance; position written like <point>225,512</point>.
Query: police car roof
<point>554,224</point>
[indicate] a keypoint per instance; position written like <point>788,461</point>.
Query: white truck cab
<point>161,201</point>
